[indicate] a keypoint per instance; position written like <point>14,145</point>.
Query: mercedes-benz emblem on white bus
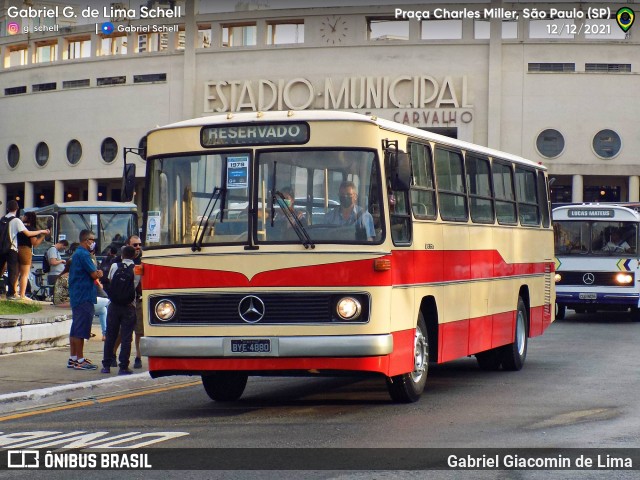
<point>588,278</point>
<point>251,309</point>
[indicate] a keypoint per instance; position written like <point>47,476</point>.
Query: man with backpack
<point>121,313</point>
<point>10,226</point>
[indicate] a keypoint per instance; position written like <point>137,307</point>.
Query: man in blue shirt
<point>82,293</point>
<point>349,213</point>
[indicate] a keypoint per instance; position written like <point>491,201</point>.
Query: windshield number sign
<point>237,172</point>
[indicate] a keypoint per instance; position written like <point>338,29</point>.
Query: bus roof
<point>332,115</point>
<point>87,206</point>
<point>596,211</point>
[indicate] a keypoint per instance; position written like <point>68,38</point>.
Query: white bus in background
<point>596,247</point>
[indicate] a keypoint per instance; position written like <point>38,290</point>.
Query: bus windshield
<point>596,238</point>
<point>334,195</point>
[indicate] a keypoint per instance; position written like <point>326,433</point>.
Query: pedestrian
<point>121,312</point>
<point>9,256</point>
<point>135,242</point>
<point>82,294</point>
<point>25,252</point>
<point>55,261</point>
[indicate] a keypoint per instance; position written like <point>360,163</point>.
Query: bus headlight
<point>348,308</point>
<point>624,278</point>
<point>558,277</point>
<point>165,310</point>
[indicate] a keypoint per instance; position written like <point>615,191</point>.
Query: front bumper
<point>299,346</point>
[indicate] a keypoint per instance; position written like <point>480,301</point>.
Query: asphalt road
<point>578,389</point>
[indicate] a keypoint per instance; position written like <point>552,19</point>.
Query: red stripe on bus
<point>417,268</point>
<point>467,337</point>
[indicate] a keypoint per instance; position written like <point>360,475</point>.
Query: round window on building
<point>13,156</point>
<point>109,149</point>
<point>607,144</point>
<point>42,154</point>
<point>74,152</point>
<point>550,143</point>
<point>142,145</point>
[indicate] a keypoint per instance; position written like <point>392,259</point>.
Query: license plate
<point>262,345</point>
<point>588,296</point>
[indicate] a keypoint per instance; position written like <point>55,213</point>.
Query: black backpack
<point>121,289</point>
<point>5,240</point>
<point>46,266</point>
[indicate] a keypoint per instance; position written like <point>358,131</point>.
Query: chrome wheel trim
<point>520,333</point>
<point>421,356</point>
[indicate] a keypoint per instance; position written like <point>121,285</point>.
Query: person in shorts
<point>82,295</point>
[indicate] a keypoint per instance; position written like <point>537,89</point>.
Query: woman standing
<point>25,253</point>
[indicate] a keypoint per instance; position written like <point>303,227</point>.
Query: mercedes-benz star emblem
<point>588,278</point>
<point>251,309</point>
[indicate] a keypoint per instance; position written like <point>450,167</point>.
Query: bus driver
<point>349,213</point>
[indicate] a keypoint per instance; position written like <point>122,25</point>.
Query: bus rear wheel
<point>407,387</point>
<point>224,386</point>
<point>512,356</point>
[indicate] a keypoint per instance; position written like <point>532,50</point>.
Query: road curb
<point>76,391</point>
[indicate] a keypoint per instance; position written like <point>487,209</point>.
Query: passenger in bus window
<point>289,200</point>
<point>349,213</point>
<point>616,243</point>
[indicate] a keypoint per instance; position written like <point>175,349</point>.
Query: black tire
<point>407,387</point>
<point>513,355</point>
<point>489,360</point>
<point>580,310</point>
<point>561,311</point>
<point>635,314</point>
<point>224,386</point>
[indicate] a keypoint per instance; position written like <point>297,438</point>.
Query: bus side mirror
<point>398,170</point>
<point>128,182</point>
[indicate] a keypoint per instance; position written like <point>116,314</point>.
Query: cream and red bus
<point>327,243</point>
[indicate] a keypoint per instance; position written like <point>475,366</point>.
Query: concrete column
<point>577,189</point>
<point>58,191</point>
<point>494,138</point>
<point>92,190</point>
<point>3,199</point>
<point>131,43</point>
<point>28,195</point>
<point>62,46</point>
<point>189,59</point>
<point>634,188</point>
<point>96,45</point>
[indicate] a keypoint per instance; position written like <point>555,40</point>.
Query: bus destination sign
<point>586,213</point>
<point>255,134</point>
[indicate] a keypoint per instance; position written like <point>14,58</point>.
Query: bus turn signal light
<point>382,264</point>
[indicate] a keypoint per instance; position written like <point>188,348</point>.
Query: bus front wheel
<point>407,387</point>
<point>224,386</point>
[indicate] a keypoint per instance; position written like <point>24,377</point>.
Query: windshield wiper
<point>204,220</point>
<point>296,224</point>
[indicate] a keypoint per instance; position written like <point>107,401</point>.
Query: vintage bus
<point>327,243</point>
<point>596,258</point>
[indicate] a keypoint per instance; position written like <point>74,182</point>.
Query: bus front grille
<point>257,308</point>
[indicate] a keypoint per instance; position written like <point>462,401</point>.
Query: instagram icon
<point>13,28</point>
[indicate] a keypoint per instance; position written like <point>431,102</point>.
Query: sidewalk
<point>40,377</point>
